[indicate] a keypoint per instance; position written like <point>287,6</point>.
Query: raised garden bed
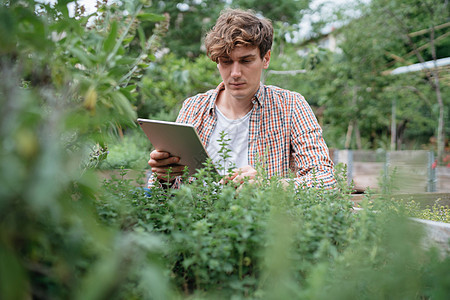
<point>437,233</point>
<point>424,199</point>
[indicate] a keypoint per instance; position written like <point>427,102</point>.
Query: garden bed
<point>424,199</point>
<point>437,232</point>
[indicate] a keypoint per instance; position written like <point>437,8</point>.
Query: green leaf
<point>110,41</point>
<point>8,27</point>
<point>123,106</point>
<point>62,6</point>
<point>141,35</point>
<point>150,17</point>
<point>81,55</point>
<point>128,95</point>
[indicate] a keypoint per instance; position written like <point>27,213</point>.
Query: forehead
<point>243,51</point>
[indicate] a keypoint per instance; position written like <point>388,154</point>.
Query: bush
<point>67,85</point>
<point>267,242</point>
<point>130,152</point>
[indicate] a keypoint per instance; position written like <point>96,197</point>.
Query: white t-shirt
<point>237,133</point>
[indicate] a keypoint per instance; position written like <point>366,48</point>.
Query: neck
<point>231,107</point>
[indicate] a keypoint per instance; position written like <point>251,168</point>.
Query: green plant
<point>439,213</point>
<point>217,235</point>
<point>225,167</point>
<point>266,241</point>
<point>64,89</point>
<point>131,151</point>
<point>169,80</point>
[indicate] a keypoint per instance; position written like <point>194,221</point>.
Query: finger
<point>163,162</point>
<point>158,155</point>
<point>239,179</point>
<point>245,176</point>
<point>228,177</point>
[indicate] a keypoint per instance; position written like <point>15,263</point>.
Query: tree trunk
<point>348,137</point>
<point>435,73</point>
<point>358,136</point>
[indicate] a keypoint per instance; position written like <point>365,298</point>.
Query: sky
<point>326,12</point>
<point>88,4</point>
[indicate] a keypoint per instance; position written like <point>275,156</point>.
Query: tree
<point>412,32</point>
<point>351,85</point>
<point>191,19</point>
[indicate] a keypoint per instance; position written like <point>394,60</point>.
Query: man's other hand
<point>240,174</point>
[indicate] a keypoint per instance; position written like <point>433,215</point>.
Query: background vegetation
<point>72,87</point>
<point>344,86</point>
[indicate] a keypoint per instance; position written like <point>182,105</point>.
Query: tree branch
<point>425,31</point>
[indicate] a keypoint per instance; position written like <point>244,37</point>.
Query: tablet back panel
<point>178,139</point>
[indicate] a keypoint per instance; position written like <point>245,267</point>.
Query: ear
<point>266,60</point>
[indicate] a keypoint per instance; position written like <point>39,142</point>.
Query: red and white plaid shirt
<point>284,134</point>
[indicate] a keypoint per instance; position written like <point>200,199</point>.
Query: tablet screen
<point>178,139</point>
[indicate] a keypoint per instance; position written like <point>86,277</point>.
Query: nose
<point>236,70</point>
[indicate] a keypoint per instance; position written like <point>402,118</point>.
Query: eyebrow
<point>248,56</point>
<point>241,57</point>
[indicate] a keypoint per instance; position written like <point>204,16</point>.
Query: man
<point>265,124</point>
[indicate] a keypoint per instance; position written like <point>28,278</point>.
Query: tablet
<point>179,140</point>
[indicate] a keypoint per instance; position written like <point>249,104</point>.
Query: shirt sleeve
<point>311,159</point>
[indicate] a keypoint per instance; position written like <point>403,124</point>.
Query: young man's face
<point>241,72</point>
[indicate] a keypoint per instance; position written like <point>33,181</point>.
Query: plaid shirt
<point>284,134</point>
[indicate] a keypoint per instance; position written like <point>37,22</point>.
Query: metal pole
<point>432,180</point>
<point>393,125</point>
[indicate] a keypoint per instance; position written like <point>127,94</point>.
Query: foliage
<point>290,12</point>
<point>51,243</point>
<point>349,87</point>
<point>190,19</point>
<point>438,213</point>
<point>130,152</point>
<point>89,64</point>
<point>264,241</point>
<point>171,80</point>
<point>65,84</point>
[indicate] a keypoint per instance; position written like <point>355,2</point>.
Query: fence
<point>410,171</point>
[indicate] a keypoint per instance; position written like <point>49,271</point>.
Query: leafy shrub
<point>63,88</point>
<point>265,241</point>
<point>51,243</point>
<point>170,80</point>
<point>130,152</point>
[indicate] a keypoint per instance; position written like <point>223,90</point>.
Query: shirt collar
<point>213,97</point>
<point>258,98</point>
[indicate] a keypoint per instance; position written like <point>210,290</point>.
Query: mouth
<point>237,84</point>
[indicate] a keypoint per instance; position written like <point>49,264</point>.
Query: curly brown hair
<point>236,27</point>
